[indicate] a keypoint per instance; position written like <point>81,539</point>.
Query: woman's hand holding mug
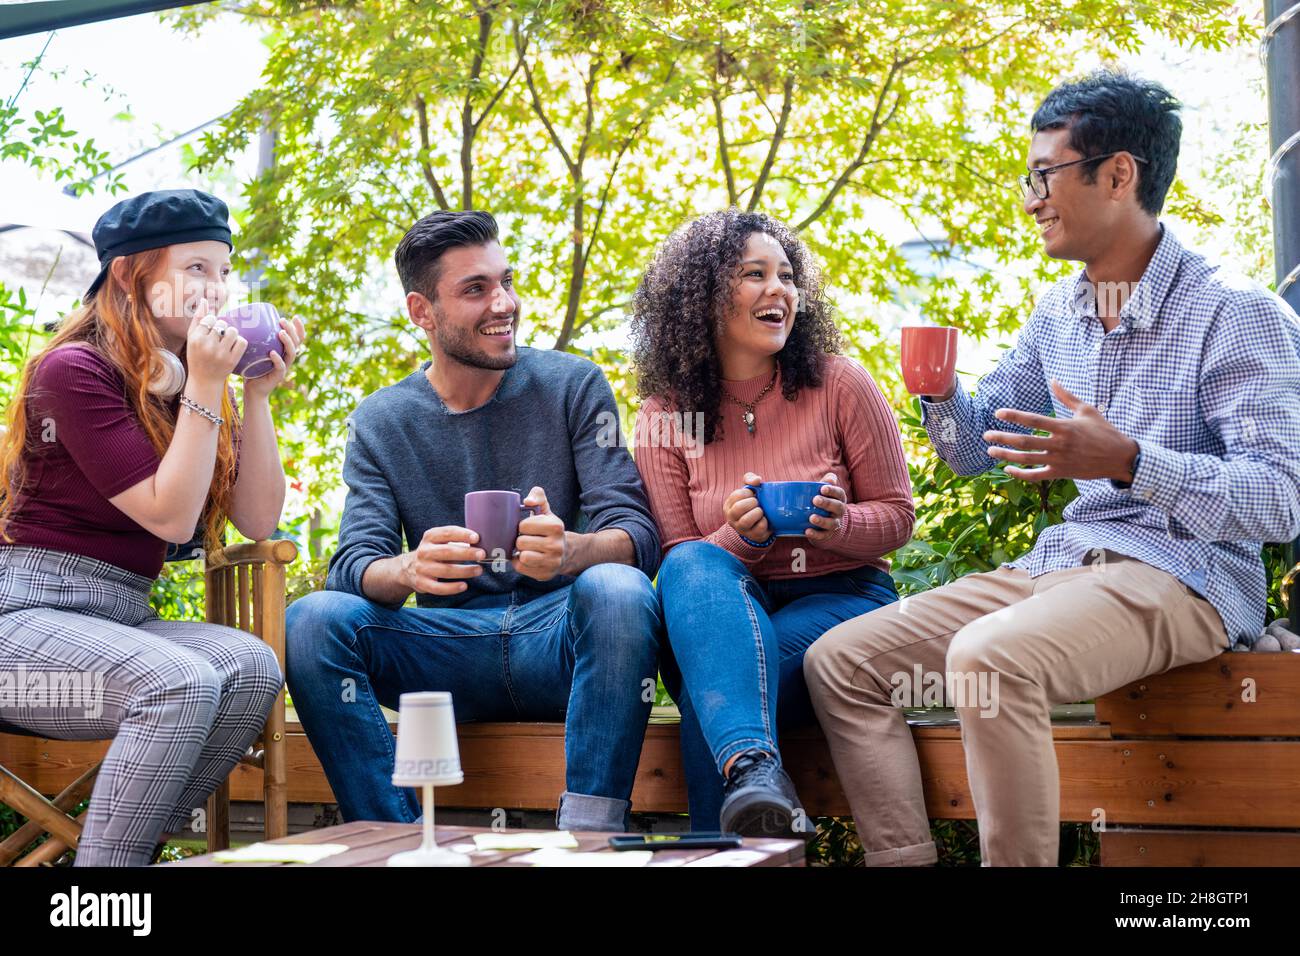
<point>291,336</point>
<point>212,348</point>
<point>742,512</point>
<point>833,498</point>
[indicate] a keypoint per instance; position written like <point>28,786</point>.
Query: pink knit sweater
<point>845,427</point>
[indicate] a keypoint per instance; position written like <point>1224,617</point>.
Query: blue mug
<point>788,505</point>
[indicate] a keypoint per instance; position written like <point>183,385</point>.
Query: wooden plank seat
<point>1215,745</point>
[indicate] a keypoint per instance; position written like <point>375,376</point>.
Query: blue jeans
<point>582,654</point>
<point>734,660</point>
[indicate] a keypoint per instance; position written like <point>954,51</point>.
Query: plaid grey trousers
<point>83,656</point>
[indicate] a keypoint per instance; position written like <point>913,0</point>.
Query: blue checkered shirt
<point>1203,371</point>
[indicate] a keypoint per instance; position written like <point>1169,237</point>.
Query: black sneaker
<point>758,799</point>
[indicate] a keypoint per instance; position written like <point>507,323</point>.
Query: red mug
<point>929,358</point>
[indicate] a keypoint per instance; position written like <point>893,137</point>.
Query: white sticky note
<point>280,853</point>
<point>557,857</point>
<point>730,858</point>
<point>781,847</point>
<point>524,840</point>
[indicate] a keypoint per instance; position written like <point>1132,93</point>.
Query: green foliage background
<point>592,129</point>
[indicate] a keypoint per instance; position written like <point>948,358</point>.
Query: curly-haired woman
<point>122,437</point>
<point>736,353</point>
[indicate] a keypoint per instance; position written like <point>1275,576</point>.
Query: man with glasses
<point>1175,391</point>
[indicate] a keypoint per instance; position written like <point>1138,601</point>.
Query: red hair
<point>117,323</point>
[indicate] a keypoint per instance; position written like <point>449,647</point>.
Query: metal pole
<point>265,163</point>
<point>1280,50</point>
<point>74,189</point>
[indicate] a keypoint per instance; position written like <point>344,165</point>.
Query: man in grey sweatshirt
<point>568,628</point>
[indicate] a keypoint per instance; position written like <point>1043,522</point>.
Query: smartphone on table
<point>677,841</point>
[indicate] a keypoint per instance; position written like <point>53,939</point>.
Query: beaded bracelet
<point>754,544</point>
<point>200,410</point>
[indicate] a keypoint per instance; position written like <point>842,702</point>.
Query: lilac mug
<point>259,323</point>
<point>495,516</point>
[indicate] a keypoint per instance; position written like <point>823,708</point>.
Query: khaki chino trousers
<point>1006,647</point>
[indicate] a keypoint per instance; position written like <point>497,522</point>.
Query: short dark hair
<point>1110,110</point>
<point>425,242</point>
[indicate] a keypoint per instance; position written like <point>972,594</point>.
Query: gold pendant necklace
<point>748,407</point>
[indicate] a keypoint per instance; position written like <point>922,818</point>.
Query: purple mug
<point>258,322</point>
<point>495,516</point>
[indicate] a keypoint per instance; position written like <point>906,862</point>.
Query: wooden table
<point>371,844</point>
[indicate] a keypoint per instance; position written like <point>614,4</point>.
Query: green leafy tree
<point>593,128</point>
<point>43,141</point>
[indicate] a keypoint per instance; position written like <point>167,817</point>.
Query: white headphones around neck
<point>167,376</point>
<point>166,371</point>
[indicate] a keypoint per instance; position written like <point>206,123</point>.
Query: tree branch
<point>541,113</point>
<point>578,264</point>
<point>422,115</point>
<point>994,38</point>
<point>467,126</point>
<point>906,212</point>
<point>397,192</point>
<point>607,308</point>
<point>493,102</point>
<point>732,198</point>
<point>762,100</point>
<point>723,155</point>
<point>938,162</point>
<point>609,181</point>
<point>787,95</point>
<point>905,209</point>
<point>604,193</point>
<point>868,140</point>
<point>588,119</point>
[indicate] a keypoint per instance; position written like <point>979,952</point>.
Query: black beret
<point>164,217</point>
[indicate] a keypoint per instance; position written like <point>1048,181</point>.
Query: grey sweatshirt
<point>410,461</point>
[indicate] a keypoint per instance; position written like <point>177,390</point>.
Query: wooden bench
<point>1186,769</point>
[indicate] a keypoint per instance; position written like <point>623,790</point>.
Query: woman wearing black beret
<point>122,437</point>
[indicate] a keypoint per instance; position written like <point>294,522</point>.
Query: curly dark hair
<point>682,298</point>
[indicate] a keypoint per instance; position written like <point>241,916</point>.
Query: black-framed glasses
<point>1035,182</point>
